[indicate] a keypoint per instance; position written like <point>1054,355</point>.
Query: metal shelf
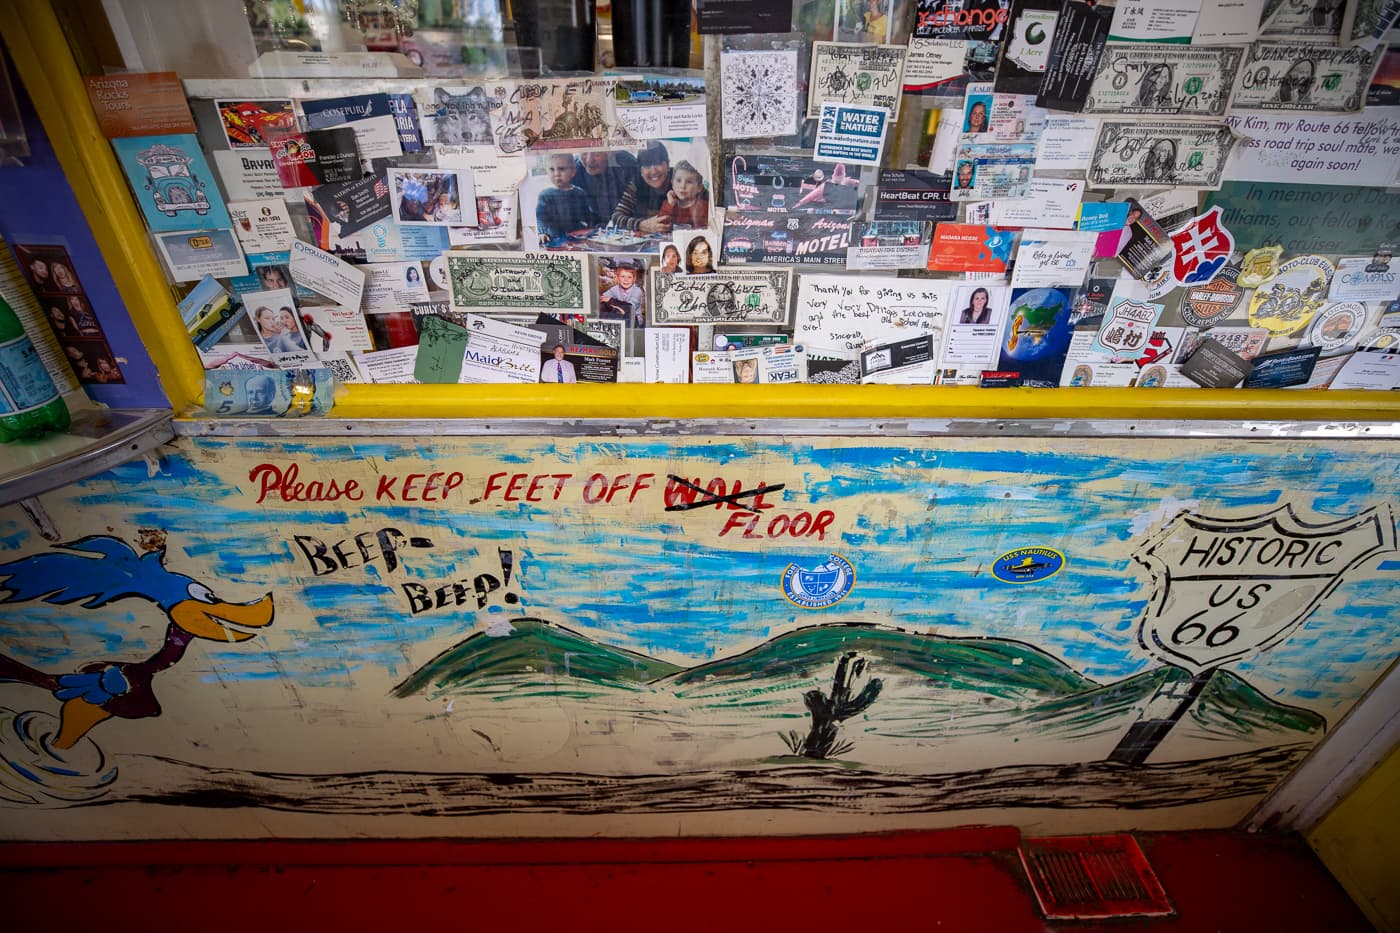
<point>99,439</point>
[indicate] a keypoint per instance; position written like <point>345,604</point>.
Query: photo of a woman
<point>699,257</point>
<point>670,259</point>
<point>646,194</point>
<point>413,276</point>
<point>976,311</point>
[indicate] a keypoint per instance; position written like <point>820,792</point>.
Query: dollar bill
<point>1299,76</point>
<point>855,73</point>
<point>1315,20</point>
<point>1148,78</point>
<point>1367,22</point>
<point>499,281</point>
<point>747,297</point>
<point>1160,155</point>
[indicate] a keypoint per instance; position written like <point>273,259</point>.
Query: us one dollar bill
<point>1314,20</point>
<point>1138,78</point>
<point>538,281</point>
<point>1300,76</point>
<point>1160,155</point>
<point>747,297</point>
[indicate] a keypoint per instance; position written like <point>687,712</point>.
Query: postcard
<point>500,352</point>
<point>327,275</point>
<point>173,185</point>
<point>432,196</point>
<point>711,367</point>
<point>660,106</point>
<point>370,116</point>
<point>1035,338</point>
<point>759,91</point>
<point>279,326</point>
<point>911,194</point>
<point>249,175</point>
<point>974,331</point>
<point>1052,257</point>
<point>970,248</point>
<point>243,120</point>
<point>733,297</point>
<point>262,226</point>
<point>851,134</point>
<point>1028,44</point>
<point>140,104</point>
<point>889,244</point>
<point>855,73</point>
<point>314,157</point>
<point>1049,202</point>
<point>841,314</point>
<point>1081,32</point>
<point>1368,369</point>
<point>497,181</point>
<point>391,367</point>
<point>908,361</point>
<point>799,239</point>
<point>193,254</point>
<point>509,281</point>
<point>667,355</point>
<point>1085,366</point>
<point>393,286</point>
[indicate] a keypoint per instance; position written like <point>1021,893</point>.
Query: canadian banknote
<point>746,297</point>
<point>1300,76</point>
<point>1160,155</point>
<point>538,281</point>
<point>1159,79</point>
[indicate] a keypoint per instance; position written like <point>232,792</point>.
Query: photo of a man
<point>558,369</point>
<point>967,173</point>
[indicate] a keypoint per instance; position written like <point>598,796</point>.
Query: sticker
<point>1208,304</point>
<point>820,586</point>
<point>1028,565</point>
<point>1259,266</point>
<point>1337,327</point>
<point>1201,248</point>
<point>1293,297</point>
<point>850,133</point>
<point>1126,327</point>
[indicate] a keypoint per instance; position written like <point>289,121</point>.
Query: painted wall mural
<point>646,635</point>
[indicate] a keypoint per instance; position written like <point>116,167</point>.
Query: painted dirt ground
<point>467,635</point>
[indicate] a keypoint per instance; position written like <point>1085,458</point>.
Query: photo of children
<point>615,200</point>
<point>432,197</point>
<point>621,296</point>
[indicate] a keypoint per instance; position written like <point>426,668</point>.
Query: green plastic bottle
<point>30,405</point>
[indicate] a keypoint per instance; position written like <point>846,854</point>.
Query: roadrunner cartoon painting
<point>97,571</point>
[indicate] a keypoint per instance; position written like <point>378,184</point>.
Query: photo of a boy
<point>564,208</point>
<point>687,203</point>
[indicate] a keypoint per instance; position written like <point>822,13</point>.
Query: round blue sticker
<point>1028,565</point>
<point>820,586</point>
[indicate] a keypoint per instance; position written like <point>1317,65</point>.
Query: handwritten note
<point>441,345</point>
<point>842,315</point>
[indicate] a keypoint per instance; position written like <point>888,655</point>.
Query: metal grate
<point>1092,878</point>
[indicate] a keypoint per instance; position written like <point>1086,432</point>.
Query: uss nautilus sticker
<point>1028,565</point>
<point>821,586</point>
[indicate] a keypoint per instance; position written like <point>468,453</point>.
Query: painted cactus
<point>828,712</point>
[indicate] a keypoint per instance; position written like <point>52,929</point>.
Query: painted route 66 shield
<point>1223,588</point>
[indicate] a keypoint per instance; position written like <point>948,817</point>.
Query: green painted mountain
<point>989,665</point>
<point>534,647</point>
<point>1227,706</point>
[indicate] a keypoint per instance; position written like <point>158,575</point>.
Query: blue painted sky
<point>922,522</point>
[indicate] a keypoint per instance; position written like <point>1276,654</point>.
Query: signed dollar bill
<point>747,297</point>
<point>1312,20</point>
<point>855,73</point>
<point>1160,155</point>
<point>537,281</point>
<point>1299,76</point>
<point>1159,79</point>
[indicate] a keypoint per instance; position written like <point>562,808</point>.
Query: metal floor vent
<point>1092,878</point>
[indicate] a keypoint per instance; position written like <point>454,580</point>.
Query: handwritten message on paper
<point>840,313</point>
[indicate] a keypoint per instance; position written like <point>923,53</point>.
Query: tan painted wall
<point>1008,612</point>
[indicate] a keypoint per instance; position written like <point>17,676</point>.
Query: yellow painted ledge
<point>45,63</point>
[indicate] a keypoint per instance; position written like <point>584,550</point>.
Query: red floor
<point>945,881</point>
